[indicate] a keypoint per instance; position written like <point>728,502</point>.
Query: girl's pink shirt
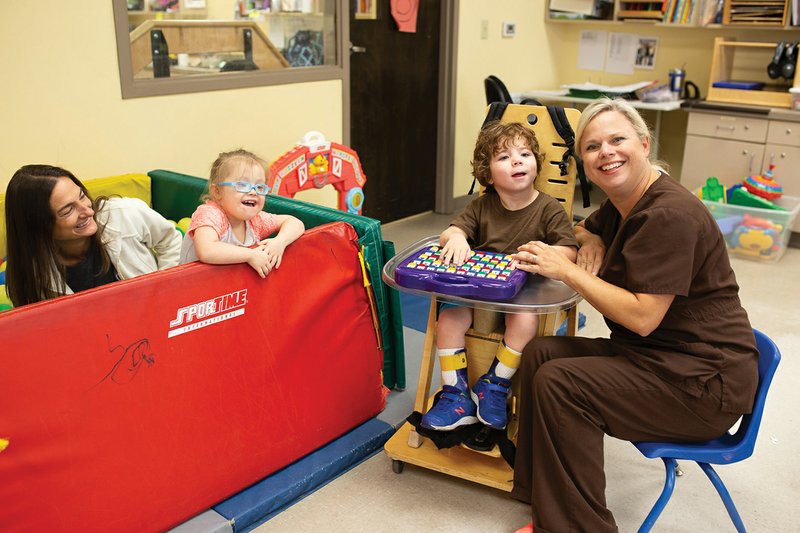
<point>210,214</point>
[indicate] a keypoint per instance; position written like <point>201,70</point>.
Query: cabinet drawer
<point>782,132</point>
<point>728,160</point>
<point>728,127</point>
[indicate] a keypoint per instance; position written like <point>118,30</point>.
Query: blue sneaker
<point>453,409</point>
<point>491,394</point>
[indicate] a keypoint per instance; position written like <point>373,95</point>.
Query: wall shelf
<point>644,13</point>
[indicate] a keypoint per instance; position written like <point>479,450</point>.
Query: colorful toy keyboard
<point>485,275</point>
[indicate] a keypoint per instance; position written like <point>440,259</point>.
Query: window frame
<point>132,88</point>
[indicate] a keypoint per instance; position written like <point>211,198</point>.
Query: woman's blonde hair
<point>624,108</point>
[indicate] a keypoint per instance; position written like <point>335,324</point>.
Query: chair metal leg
<point>669,485</point>
<point>723,493</point>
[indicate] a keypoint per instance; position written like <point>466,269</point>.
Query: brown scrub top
<point>670,244</point>
<point>491,227</point>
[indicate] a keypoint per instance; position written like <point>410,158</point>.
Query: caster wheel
<point>397,466</point>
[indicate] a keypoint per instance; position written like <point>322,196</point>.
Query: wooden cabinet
<point>731,146</point>
<point>783,150</point>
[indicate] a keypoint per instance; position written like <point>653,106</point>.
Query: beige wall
<point>524,61</point>
<point>60,104</point>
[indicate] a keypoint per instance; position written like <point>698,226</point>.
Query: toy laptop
<point>484,276</point>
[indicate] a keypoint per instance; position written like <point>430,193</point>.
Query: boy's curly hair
<point>495,136</point>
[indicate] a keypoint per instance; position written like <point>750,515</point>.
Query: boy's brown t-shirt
<point>491,227</point>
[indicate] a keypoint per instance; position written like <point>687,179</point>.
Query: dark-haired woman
<point>60,241</point>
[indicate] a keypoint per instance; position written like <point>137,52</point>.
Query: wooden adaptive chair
<point>557,179</point>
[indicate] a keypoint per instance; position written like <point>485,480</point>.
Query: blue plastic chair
<point>727,449</point>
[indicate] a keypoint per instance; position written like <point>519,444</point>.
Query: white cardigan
<point>138,239</point>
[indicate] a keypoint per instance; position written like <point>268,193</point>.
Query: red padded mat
<point>114,425</point>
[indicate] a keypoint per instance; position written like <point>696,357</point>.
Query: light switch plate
<point>509,29</point>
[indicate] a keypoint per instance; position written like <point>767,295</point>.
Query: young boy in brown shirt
<point>506,162</point>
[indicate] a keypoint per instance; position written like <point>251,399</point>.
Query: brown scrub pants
<point>575,390</point>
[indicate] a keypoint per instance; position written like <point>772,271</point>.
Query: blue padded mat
<point>260,502</point>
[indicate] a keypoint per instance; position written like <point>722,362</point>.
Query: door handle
<point>357,49</point>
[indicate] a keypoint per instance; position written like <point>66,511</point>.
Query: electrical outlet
<point>509,29</point>
<point>484,29</point>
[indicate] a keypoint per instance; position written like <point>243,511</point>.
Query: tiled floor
<point>371,498</point>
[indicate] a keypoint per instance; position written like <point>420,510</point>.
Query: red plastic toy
<point>764,186</point>
<point>315,163</point>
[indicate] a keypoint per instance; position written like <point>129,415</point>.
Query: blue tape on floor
<point>562,330</point>
<point>268,497</point>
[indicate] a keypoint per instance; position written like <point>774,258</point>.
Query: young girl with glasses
<point>231,220</point>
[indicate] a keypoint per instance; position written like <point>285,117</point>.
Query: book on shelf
<point>692,12</point>
<point>646,10</point>
<point>582,7</point>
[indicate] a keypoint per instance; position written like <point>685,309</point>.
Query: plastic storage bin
<point>753,233</point>
<point>795,92</point>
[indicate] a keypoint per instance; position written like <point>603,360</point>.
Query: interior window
<point>169,46</point>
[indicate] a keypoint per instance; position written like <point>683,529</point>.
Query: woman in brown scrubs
<point>681,362</point>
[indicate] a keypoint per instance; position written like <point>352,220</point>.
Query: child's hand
<point>457,250</point>
<point>275,248</point>
<point>260,260</point>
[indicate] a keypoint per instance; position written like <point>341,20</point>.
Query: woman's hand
<point>591,250</point>
<point>591,253</point>
<point>537,257</point>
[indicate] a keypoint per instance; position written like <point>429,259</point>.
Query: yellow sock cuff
<point>455,361</point>
<point>507,356</point>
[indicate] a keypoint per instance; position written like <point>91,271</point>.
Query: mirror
<point>175,46</point>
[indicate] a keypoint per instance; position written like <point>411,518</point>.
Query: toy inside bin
<point>755,233</point>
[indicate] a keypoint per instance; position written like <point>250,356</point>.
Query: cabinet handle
<point>783,155</point>
<point>729,128</point>
<point>788,131</point>
<point>744,152</point>
<point>746,127</point>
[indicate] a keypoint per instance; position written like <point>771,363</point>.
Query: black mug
<point>690,91</point>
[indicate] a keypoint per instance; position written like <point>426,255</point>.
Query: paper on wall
<point>621,54</point>
<point>592,50</point>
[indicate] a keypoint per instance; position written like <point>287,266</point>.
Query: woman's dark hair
<point>33,272</point>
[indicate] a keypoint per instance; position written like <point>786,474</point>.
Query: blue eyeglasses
<point>245,187</point>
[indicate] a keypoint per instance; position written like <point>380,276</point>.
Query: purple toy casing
<point>484,276</point>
